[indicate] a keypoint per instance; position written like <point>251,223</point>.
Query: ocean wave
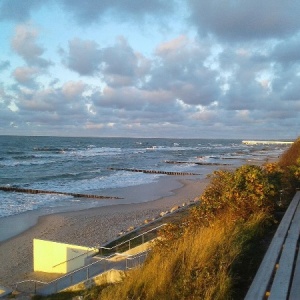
<point>50,149</point>
<point>90,152</point>
<point>14,163</point>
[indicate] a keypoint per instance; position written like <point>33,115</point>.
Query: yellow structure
<point>54,257</point>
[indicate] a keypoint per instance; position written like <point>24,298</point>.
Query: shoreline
<point>11,226</point>
<point>95,225</point>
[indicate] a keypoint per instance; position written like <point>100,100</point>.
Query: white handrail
<point>101,259</point>
<point>122,243</point>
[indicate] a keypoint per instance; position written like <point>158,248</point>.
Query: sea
<point>97,165</point>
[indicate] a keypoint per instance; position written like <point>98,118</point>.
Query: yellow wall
<point>53,257</point>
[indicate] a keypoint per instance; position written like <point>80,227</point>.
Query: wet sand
<point>87,227</point>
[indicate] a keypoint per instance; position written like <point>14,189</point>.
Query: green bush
<point>242,192</point>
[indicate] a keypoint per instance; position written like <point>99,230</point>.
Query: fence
<point>104,263</point>
<point>130,243</point>
<point>87,272</point>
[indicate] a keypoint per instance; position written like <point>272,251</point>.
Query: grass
<point>197,266</point>
<point>291,155</point>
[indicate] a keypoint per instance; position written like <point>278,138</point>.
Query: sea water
<point>93,165</point>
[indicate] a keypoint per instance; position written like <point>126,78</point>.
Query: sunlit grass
<point>291,156</point>
<point>197,266</point>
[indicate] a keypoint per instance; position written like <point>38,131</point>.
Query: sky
<point>159,68</point>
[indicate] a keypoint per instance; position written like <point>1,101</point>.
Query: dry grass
<point>291,156</point>
<point>197,266</point>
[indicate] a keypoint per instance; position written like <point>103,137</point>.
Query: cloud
<point>291,90</point>
<point>131,98</point>
<point>24,44</point>
<point>117,65</point>
<point>122,66</point>
<point>73,89</point>
<point>64,101</point>
<point>93,10</point>
<point>287,51</point>
<point>139,112</point>
<point>26,76</point>
<point>181,68</point>
<point>83,57</point>
<point>245,20</point>
<point>176,72</point>
<point>18,10</point>
<point>86,12</point>
<point>51,109</point>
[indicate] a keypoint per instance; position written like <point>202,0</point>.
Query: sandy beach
<point>91,227</point>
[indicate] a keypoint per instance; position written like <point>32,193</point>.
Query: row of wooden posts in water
<point>154,171</point>
<point>78,195</point>
<point>195,163</point>
<point>32,191</point>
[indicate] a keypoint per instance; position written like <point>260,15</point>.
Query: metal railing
<point>102,264</point>
<point>33,288</point>
<point>131,243</point>
<point>136,260</point>
<point>82,274</point>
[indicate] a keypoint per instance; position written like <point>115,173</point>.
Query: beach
<point>91,227</point>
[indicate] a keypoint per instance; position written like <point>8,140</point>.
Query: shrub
<point>242,192</point>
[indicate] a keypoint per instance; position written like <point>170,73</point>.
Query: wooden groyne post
<point>154,171</point>
<point>32,191</point>
<point>196,163</point>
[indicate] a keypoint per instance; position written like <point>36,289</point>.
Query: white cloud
<point>26,76</point>
<point>73,89</point>
<point>24,43</point>
<point>245,20</point>
<point>83,57</point>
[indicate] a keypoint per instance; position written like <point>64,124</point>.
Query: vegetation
<point>289,164</point>
<point>213,252</point>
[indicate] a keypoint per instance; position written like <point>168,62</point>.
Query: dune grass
<point>291,156</point>
<point>197,266</point>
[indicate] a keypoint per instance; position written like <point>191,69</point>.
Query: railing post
<point>87,273</point>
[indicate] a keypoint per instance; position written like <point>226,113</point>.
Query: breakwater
<point>154,171</point>
<point>32,191</point>
<point>195,162</point>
